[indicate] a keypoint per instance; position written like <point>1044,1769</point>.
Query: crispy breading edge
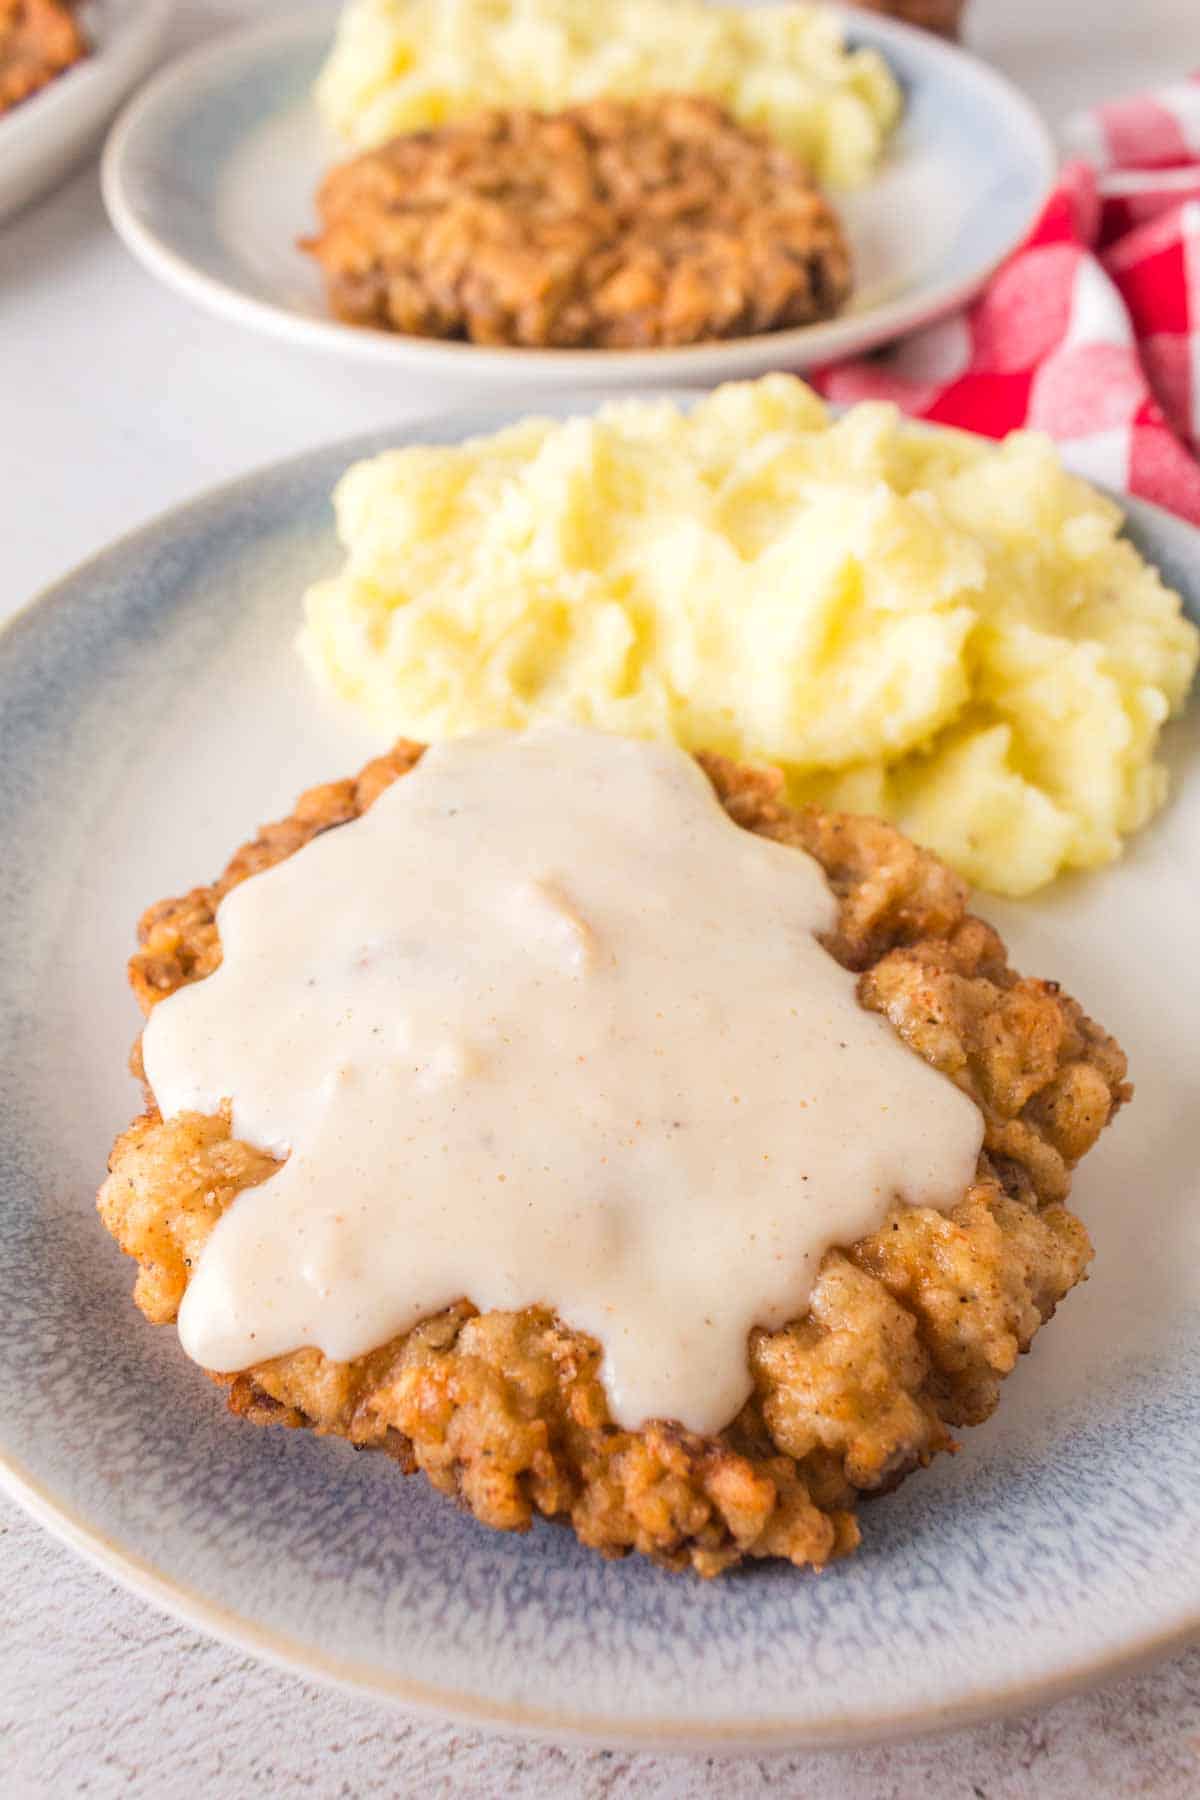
<point>909,1331</point>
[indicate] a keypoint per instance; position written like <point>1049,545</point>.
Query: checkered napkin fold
<point>1091,331</point>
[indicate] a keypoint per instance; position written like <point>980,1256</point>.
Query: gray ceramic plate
<point>152,712</point>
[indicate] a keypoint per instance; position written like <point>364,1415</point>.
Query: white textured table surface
<point>116,400</point>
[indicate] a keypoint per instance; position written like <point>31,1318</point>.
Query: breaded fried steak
<point>619,224</point>
<point>909,1331</point>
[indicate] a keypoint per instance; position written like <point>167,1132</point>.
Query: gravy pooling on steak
<point>547,1028</point>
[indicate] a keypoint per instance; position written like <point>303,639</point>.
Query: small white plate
<point>153,712</point>
<point>210,174</point>
<point>44,136</point>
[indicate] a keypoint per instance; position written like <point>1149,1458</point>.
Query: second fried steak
<point>909,1332</point>
<point>617,224</point>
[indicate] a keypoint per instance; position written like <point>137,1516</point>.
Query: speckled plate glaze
<point>209,176</point>
<point>152,713</point>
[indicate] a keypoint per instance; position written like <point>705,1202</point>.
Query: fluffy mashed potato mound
<point>914,623</point>
<point>401,65</point>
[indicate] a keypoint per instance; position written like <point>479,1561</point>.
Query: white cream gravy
<point>546,1027</point>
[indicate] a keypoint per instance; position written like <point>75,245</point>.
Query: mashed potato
<point>913,623</point>
<point>399,65</point>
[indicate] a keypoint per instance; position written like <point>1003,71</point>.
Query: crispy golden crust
<point>616,224</point>
<point>909,1333</point>
<point>38,40</point>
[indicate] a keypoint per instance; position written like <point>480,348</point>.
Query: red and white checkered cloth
<point>1091,331</point>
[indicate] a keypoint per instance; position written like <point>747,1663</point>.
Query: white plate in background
<point>209,176</point>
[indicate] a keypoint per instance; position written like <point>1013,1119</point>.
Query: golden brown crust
<point>39,39</point>
<point>615,224</point>
<point>909,1332</point>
